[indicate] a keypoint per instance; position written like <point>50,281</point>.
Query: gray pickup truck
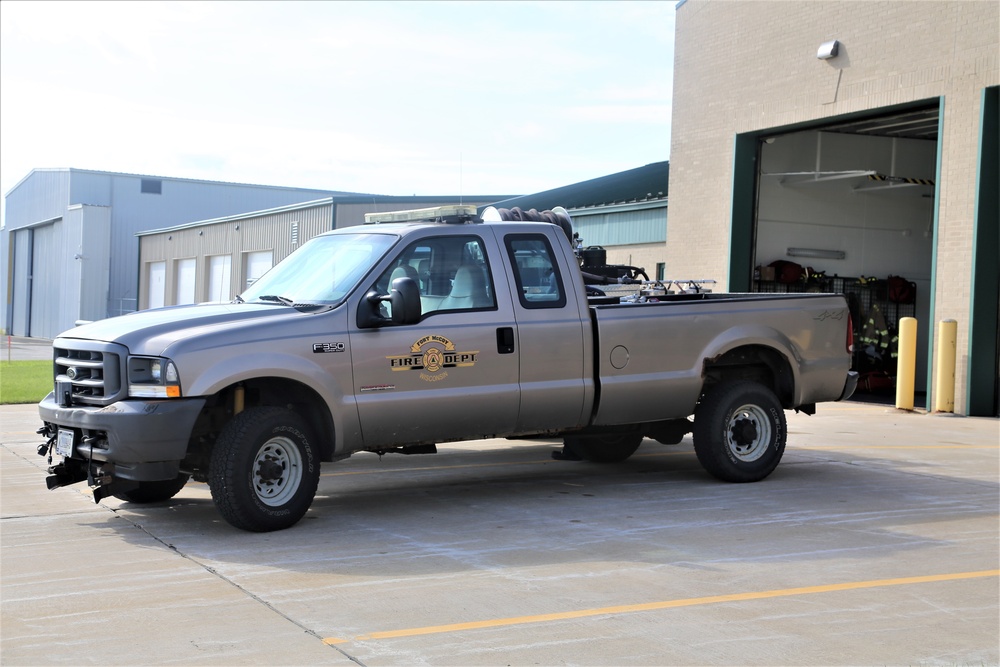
<point>394,336</point>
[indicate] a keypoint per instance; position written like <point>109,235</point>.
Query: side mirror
<point>403,300</point>
<point>404,297</point>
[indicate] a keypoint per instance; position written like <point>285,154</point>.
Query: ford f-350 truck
<point>395,336</point>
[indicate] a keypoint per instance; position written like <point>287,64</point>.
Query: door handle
<point>505,340</point>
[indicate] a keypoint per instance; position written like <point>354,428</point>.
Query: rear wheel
<point>154,492</point>
<point>264,470</point>
<point>739,431</point>
<point>610,448</point>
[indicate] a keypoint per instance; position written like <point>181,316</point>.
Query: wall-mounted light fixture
<point>817,253</point>
<point>828,50</point>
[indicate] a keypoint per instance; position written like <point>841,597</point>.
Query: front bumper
<point>145,440</point>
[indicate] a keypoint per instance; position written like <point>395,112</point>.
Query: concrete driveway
<point>876,541</point>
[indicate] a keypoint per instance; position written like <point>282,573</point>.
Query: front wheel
<point>264,470</point>
<point>739,431</point>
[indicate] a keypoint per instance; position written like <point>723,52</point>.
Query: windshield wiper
<point>274,297</point>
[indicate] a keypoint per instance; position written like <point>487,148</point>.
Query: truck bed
<point>653,354</point>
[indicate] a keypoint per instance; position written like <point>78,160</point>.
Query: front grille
<point>93,370</point>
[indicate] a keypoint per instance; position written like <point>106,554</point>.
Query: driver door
<point>454,374</point>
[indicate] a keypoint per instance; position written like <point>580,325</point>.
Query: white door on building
<point>220,269</point>
<point>185,281</point>
<point>157,284</point>
<point>257,264</point>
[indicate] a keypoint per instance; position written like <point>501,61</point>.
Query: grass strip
<point>24,381</point>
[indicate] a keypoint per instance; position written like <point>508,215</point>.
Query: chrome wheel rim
<point>748,433</point>
<point>277,471</point>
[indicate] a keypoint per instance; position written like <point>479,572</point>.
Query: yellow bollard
<point>944,369</point>
<point>906,363</point>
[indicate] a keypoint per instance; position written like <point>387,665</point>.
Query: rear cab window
<point>535,270</point>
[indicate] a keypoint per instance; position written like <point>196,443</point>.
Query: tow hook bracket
<point>58,478</point>
<point>103,476</point>
<point>63,475</point>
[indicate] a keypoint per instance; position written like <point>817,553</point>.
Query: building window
<point>661,270</point>
<point>151,186</point>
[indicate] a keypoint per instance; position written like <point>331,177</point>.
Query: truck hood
<point>152,331</point>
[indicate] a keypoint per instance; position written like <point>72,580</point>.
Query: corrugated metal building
<point>214,260</point>
<point>625,213</point>
<point>69,248</point>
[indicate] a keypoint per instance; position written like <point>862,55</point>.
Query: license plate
<point>64,444</point>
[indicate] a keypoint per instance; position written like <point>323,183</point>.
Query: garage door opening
<point>849,207</point>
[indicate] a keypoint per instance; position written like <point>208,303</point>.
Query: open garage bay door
<point>849,207</point>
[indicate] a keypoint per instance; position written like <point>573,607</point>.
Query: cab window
<point>451,273</point>
<point>539,283</point>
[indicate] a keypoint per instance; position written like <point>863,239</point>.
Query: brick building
<point>859,139</point>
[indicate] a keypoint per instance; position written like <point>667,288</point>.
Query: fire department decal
<point>432,356</point>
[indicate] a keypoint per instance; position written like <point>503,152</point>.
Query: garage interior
<point>844,207</point>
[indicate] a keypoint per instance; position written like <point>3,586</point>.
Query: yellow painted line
<point>665,604</point>
<point>854,448</point>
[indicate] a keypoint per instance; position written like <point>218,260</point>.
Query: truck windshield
<point>323,271</point>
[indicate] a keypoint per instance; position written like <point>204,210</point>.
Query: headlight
<point>153,377</point>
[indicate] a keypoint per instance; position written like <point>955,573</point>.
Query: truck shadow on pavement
<point>508,507</point>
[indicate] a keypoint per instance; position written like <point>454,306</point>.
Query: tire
<point>739,431</point>
<point>264,470</point>
<point>154,492</point>
<point>611,448</point>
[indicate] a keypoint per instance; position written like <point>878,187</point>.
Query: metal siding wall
<point>91,188</point>
<point>235,238</point>
<point>623,228</point>
<point>45,195</point>
<point>180,202</point>
<point>65,267</point>
<point>349,215</point>
<point>45,281</point>
<point>95,246</point>
<point>42,195</point>
<point>21,288</point>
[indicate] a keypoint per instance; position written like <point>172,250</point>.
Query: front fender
<point>219,374</point>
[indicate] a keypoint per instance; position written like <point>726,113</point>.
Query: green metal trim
<point>741,212</point>
<point>981,385</point>
<point>931,329</point>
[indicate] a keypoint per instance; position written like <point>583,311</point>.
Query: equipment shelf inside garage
<point>863,296</point>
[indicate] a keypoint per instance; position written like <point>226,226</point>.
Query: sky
<point>395,98</point>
